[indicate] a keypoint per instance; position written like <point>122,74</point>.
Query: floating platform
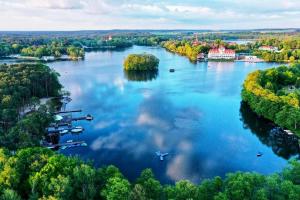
<point>67,120</point>
<point>68,111</point>
<point>66,145</point>
<point>62,131</point>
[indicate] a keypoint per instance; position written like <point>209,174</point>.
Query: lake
<point>195,114</point>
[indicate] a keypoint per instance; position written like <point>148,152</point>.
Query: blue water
<point>195,114</point>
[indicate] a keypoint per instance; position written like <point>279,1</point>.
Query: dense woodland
<point>39,173</point>
<point>274,94</point>
<point>21,86</point>
<point>141,62</point>
<point>75,48</point>
<point>55,49</point>
<point>185,48</point>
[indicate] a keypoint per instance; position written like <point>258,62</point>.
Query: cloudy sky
<point>148,14</point>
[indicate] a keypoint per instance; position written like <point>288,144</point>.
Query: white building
<point>268,48</point>
<point>221,53</point>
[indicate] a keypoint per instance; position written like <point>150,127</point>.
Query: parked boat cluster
<point>62,125</point>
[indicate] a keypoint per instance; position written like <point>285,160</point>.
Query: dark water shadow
<point>141,76</point>
<point>283,145</point>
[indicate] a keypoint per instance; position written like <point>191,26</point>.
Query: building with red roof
<point>221,53</point>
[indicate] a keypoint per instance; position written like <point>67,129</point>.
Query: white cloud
<point>57,4</point>
<point>121,14</point>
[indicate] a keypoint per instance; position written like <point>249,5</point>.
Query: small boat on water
<point>63,131</point>
<point>259,154</point>
<point>77,129</point>
<point>288,132</point>
<point>89,117</point>
<point>58,117</point>
<point>171,70</point>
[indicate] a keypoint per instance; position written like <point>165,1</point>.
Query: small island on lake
<point>141,62</point>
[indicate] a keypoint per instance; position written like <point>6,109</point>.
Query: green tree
<point>116,189</point>
<point>9,194</point>
<point>152,187</point>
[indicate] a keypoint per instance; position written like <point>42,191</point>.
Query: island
<point>274,94</point>
<point>141,62</point>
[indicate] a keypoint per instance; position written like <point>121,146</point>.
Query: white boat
<point>84,144</point>
<point>69,141</point>
<point>58,117</point>
<point>89,117</point>
<point>63,147</point>
<point>289,132</point>
<point>77,129</point>
<point>64,131</point>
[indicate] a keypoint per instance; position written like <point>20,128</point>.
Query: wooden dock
<point>55,146</point>
<point>68,111</point>
<point>67,120</point>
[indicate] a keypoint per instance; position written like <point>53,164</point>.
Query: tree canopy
<point>21,86</point>
<point>274,94</point>
<point>39,173</point>
<point>141,62</point>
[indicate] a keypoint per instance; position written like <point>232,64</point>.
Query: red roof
<point>219,50</point>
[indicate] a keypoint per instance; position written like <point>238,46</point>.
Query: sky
<point>26,15</point>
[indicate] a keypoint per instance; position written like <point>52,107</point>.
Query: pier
<point>67,111</point>
<point>67,144</point>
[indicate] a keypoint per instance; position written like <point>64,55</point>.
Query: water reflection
<point>141,75</point>
<point>283,145</point>
<point>192,114</point>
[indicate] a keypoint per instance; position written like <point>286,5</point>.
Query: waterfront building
<point>221,53</point>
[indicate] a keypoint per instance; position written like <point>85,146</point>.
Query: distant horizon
<point>116,29</point>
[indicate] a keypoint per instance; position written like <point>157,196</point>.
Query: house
<point>196,41</point>
<point>268,48</point>
<point>252,59</point>
<point>48,58</point>
<point>221,53</point>
<point>201,56</point>
<point>107,38</point>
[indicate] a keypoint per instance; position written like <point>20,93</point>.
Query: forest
<point>55,49</point>
<point>74,47</point>
<point>39,173</point>
<point>141,62</point>
<point>274,94</point>
<point>21,87</point>
<point>185,48</point>
<point>289,49</point>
